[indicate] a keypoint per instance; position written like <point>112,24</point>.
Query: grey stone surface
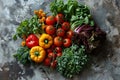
<point>104,66</point>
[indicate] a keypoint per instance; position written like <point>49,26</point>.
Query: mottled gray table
<point>106,66</point>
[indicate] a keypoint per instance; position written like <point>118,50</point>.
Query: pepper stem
<point>46,41</point>
<point>36,53</point>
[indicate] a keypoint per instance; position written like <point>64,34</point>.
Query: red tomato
<point>58,49</point>
<point>66,26</point>
<point>59,54</point>
<point>58,41</point>
<point>53,64</point>
<point>49,50</point>
<point>60,32</point>
<point>50,29</point>
<point>60,18</point>
<point>47,62</point>
<point>51,55</point>
<point>32,41</point>
<point>50,20</point>
<point>69,34</point>
<point>67,42</point>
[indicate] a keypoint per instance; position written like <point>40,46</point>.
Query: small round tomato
<point>66,26</point>
<point>60,32</point>
<point>59,18</point>
<point>47,62</point>
<point>50,29</point>
<point>50,20</point>
<point>69,34</point>
<point>51,55</point>
<point>59,54</point>
<point>67,42</point>
<point>58,49</point>
<point>58,41</point>
<point>49,50</point>
<point>53,64</point>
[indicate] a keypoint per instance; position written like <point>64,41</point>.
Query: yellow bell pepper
<point>37,54</point>
<point>45,41</point>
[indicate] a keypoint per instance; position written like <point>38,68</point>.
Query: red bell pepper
<point>32,41</point>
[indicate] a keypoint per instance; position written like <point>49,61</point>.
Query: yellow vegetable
<point>37,54</point>
<point>45,41</point>
<point>23,43</point>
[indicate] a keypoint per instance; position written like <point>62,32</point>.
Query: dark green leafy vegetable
<point>22,55</point>
<point>72,61</point>
<point>27,27</point>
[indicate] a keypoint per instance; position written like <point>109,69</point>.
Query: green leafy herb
<point>77,14</point>
<point>27,27</point>
<point>22,55</point>
<point>72,61</point>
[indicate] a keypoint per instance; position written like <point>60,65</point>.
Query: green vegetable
<point>27,27</point>
<point>77,14</point>
<point>22,55</point>
<point>72,61</point>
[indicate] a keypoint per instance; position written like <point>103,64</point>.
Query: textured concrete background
<point>104,66</point>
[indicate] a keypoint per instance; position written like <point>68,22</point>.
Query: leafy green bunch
<point>28,26</point>
<point>72,61</point>
<point>77,14</point>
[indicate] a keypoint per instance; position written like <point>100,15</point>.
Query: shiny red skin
<point>32,41</point>
<point>66,26</point>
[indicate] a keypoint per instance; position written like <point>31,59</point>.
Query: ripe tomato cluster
<point>59,29</point>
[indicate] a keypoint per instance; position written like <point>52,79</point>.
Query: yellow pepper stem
<point>46,41</point>
<point>36,53</point>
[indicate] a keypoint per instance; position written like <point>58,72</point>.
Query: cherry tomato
<point>50,29</point>
<point>59,54</point>
<point>49,50</point>
<point>60,18</point>
<point>50,20</point>
<point>66,26</point>
<point>51,55</point>
<point>58,49</point>
<point>60,32</point>
<point>53,64</point>
<point>58,41</point>
<point>67,42</point>
<point>47,62</point>
<point>69,34</point>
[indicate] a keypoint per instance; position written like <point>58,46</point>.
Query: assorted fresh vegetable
<point>60,41</point>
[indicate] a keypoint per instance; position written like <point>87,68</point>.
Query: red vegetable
<point>66,26</point>
<point>50,29</point>
<point>53,64</point>
<point>60,18</point>
<point>32,41</point>
<point>58,41</point>
<point>50,20</point>
<point>58,49</point>
<point>60,32</point>
<point>59,54</point>
<point>69,34</point>
<point>52,55</point>
<point>47,62</point>
<point>67,42</point>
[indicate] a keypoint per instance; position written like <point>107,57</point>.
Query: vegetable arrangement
<point>61,41</point>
